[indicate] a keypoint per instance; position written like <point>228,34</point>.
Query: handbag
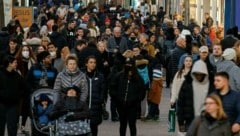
<point>77,127</point>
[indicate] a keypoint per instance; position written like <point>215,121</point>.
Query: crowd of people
<point>87,53</point>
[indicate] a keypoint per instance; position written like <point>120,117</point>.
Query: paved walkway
<point>109,128</point>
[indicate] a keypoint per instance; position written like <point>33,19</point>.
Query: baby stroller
<point>37,129</point>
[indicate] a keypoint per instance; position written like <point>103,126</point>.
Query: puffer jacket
<point>95,99</point>
<point>68,104</point>
<point>67,79</point>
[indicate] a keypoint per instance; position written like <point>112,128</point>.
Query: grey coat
<point>233,71</point>
<point>122,47</point>
<point>201,127</point>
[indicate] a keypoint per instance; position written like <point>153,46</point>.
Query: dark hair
<point>13,39</point>
<point>51,44</point>
<point>81,42</point>
<point>222,74</point>
<point>54,28</point>
<point>90,57</point>
<point>7,60</point>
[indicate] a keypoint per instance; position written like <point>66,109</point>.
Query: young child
<point>43,108</point>
<point>154,95</point>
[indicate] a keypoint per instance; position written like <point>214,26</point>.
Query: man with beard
<point>216,56</point>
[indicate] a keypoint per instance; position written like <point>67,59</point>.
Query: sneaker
<point>147,118</point>
<point>156,119</point>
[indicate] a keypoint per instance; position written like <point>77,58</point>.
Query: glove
<point>69,118</point>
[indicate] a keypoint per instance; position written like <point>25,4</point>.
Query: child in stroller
<point>43,108</point>
<point>71,114</point>
<point>42,102</point>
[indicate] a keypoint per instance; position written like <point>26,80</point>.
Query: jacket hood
<point>226,65</point>
<point>200,67</point>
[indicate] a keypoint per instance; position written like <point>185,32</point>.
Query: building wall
<point>237,17</point>
<point>197,8</point>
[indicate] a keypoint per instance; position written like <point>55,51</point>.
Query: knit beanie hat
<point>42,55</point>
<point>229,54</point>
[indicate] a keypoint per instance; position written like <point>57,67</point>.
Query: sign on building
<point>24,14</point>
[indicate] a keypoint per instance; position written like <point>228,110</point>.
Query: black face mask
<point>133,38</point>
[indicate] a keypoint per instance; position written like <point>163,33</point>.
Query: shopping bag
<point>171,120</point>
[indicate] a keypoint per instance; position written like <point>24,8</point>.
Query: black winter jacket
<point>12,87</point>
<point>68,104</point>
<point>127,92</point>
<point>96,89</point>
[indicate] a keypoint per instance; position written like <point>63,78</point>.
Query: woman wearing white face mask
<point>25,58</point>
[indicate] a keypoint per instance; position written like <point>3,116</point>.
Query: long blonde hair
<point>220,113</point>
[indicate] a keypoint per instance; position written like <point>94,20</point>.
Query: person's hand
<point>69,118</point>
<point>182,128</point>
<point>105,63</point>
<point>235,128</point>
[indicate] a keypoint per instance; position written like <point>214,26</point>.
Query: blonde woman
<point>213,121</point>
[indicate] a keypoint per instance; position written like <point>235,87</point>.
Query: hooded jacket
<point>233,71</point>
<point>192,94</point>
<point>200,89</point>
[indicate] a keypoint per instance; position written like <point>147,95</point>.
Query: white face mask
<point>53,54</point>
<point>25,54</point>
